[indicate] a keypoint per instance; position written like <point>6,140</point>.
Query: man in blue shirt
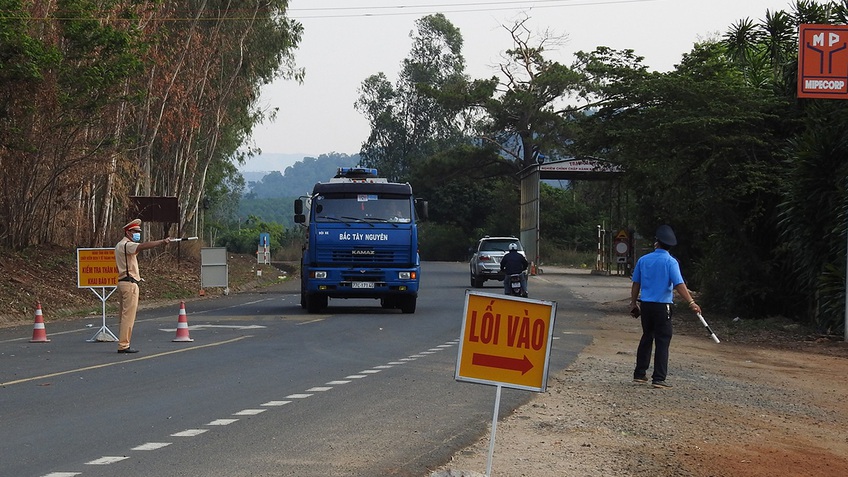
<point>655,277</point>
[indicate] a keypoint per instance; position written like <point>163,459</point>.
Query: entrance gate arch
<point>574,169</point>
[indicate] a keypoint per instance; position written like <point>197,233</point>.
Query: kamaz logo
<point>362,252</point>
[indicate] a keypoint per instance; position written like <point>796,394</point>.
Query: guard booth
<point>573,169</point>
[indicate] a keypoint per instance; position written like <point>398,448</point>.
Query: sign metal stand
<point>103,334</point>
<point>494,431</point>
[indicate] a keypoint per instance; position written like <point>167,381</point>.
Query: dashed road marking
<point>298,396</point>
<point>108,459</point>
<point>151,446</point>
<point>276,403</point>
<point>249,412</point>
<point>222,422</point>
<point>189,433</point>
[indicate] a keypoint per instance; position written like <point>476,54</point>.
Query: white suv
<point>486,261</point>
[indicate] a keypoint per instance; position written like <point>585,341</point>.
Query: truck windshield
<point>362,207</point>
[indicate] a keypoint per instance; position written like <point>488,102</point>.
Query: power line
<point>436,7</point>
<point>359,11</point>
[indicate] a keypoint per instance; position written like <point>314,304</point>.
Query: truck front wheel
<point>315,303</point>
<point>407,304</point>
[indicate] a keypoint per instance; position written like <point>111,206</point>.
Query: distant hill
<point>270,195</point>
<point>298,178</point>
<point>268,162</point>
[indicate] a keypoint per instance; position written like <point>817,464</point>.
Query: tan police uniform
<point>126,258</point>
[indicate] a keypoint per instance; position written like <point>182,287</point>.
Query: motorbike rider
<point>512,263</point>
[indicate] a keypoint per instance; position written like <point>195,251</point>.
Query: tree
<point>528,115</point>
<point>419,114</point>
<point>702,151</point>
<point>102,100</point>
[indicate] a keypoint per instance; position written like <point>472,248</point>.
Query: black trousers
<point>656,331</point>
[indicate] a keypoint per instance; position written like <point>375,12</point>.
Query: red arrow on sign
<point>501,362</point>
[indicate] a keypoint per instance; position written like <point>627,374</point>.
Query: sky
<point>346,41</point>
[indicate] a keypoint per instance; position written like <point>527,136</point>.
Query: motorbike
<point>514,288</point>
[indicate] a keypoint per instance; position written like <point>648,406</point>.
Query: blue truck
<point>362,241</point>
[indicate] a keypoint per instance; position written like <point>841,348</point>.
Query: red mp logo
<point>823,61</point>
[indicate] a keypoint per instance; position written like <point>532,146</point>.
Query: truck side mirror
<point>299,217</point>
<point>422,209</point>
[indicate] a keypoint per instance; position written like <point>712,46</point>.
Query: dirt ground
<point>757,404</point>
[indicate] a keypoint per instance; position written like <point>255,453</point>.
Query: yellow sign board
<point>506,341</point>
<point>96,267</point>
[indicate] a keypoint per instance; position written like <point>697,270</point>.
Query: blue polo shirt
<point>657,273</point>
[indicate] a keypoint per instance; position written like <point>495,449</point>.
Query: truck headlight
<point>319,274</point>
<point>406,275</point>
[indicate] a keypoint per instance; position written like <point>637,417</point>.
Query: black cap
<point>666,235</point>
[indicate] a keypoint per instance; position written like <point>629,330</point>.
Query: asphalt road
<point>265,389</point>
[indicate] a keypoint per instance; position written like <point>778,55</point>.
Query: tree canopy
<point>103,100</point>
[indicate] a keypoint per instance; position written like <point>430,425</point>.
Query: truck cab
<point>362,241</point>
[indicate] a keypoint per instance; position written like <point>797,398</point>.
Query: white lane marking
<point>151,446</point>
<point>108,459</point>
<point>250,412</point>
<point>445,346</point>
<point>355,376</point>
<point>370,371</point>
<point>62,474</point>
<point>276,403</point>
<point>427,352</point>
<point>310,321</point>
<point>334,383</point>
<point>395,363</point>
<point>189,433</point>
<point>319,389</point>
<point>434,349</point>
<point>383,366</point>
<point>298,396</point>
<point>222,422</point>
<point>421,355</point>
<point>407,359</point>
<point>203,327</point>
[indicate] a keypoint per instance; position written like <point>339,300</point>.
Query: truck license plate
<point>362,284</point>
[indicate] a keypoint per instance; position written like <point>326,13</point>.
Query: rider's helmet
<point>513,246</point>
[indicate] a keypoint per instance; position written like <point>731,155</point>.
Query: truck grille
<point>369,276</point>
<point>361,256</point>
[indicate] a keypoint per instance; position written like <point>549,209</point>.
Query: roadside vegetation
<point>107,100</point>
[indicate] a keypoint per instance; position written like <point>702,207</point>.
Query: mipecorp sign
<point>823,61</point>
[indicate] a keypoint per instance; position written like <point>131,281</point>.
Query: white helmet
<point>513,246</point>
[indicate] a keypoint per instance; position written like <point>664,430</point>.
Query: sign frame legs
<point>103,334</point>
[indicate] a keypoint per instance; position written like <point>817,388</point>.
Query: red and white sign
<point>506,341</point>
<point>823,61</point>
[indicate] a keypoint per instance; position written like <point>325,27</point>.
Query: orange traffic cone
<point>182,325</point>
<point>39,333</point>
